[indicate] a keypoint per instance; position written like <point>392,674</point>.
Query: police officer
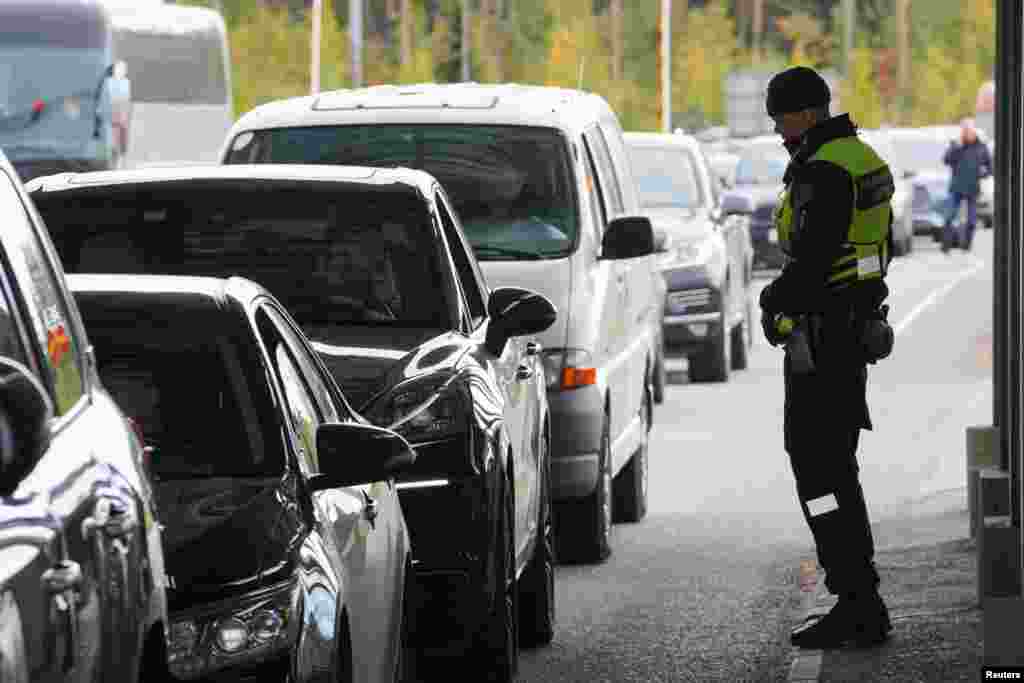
<point>834,224</point>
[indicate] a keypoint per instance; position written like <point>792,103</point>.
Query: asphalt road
<point>705,588</point>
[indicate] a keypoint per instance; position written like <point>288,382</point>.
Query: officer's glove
<point>769,322</point>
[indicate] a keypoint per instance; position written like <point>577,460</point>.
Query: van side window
<point>606,171</point>
<point>595,197</point>
<point>469,277</point>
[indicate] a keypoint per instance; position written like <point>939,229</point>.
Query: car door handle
<point>370,509</point>
<point>114,517</point>
<point>524,372</point>
<point>533,348</point>
<point>62,577</point>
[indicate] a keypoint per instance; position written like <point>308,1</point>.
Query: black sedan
<point>374,266</point>
<point>287,552</point>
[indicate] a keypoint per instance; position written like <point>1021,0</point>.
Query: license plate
<point>773,235</point>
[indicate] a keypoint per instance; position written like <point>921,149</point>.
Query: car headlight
<point>423,409</point>
<point>568,368</point>
<point>258,628</point>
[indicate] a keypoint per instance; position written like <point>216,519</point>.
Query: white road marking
<point>936,296</point>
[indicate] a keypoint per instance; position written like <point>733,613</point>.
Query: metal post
<point>849,19</point>
<point>314,60</point>
<point>666,65</point>
<point>464,46</point>
<point>355,28</point>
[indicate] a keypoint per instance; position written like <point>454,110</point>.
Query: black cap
<point>796,89</point>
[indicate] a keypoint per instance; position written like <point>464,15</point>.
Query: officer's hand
<point>768,326</point>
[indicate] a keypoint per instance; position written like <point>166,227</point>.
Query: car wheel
<point>631,484</point>
<point>537,583</point>
<point>713,363</point>
<point>498,652</point>
<point>909,248</point>
<point>899,248</point>
<point>407,667</point>
<point>584,526</point>
<point>660,377</point>
<point>740,339</point>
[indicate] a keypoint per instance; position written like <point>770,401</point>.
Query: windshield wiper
<point>494,250</point>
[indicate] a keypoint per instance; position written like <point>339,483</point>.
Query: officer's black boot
<point>861,620</point>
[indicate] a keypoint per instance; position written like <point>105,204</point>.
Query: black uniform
<point>825,410</point>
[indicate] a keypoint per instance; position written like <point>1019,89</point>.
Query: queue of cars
<point>363,373</point>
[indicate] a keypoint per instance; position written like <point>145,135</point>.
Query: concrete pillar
<point>982,454</point>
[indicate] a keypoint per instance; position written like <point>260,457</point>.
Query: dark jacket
<point>969,163</point>
<point>834,397</point>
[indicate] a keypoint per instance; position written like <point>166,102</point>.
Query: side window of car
<point>50,316</point>
<point>465,264</point>
<point>313,375</point>
<point>12,343</point>
<point>301,408</point>
<point>595,197</point>
<point>605,171</point>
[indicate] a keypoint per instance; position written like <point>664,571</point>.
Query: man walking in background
<point>969,162</point>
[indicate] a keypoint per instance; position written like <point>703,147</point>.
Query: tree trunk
<point>616,11</point>
<point>757,28</point>
<point>405,32</point>
<point>903,47</point>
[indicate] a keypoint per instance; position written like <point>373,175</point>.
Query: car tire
<point>713,363</point>
<point>408,666</point>
<point>497,655</point>
<point>537,583</point>
<point>909,248</point>
<point>740,341</point>
<point>899,248</point>
<point>584,526</point>
<point>660,376</point>
<point>630,487</point>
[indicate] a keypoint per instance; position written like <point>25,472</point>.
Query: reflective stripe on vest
<point>865,251</point>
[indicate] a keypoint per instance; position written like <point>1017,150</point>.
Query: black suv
<point>81,561</point>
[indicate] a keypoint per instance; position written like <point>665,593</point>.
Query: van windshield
<point>511,185</point>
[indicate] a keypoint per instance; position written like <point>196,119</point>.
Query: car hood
<point>681,224</point>
<point>760,194</point>
<point>366,360</point>
<point>243,524</point>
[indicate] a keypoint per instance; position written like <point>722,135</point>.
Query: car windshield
<point>511,185</point>
<point>761,168</point>
<point>47,103</point>
<point>150,370</point>
<point>333,256</point>
<point>666,178</point>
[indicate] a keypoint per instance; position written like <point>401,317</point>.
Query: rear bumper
<point>688,334</point>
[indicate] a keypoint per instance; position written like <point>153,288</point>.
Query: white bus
<point>178,61</point>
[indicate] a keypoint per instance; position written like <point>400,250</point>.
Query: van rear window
<point>511,185</point>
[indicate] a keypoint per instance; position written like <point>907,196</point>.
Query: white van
<point>540,179</point>
<point>177,59</point>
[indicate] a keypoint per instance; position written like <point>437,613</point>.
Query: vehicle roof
<point>210,298</point>
<point>439,103</point>
<point>243,173</point>
<point>165,18</point>
<point>647,139</point>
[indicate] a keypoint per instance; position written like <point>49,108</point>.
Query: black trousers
<point>826,471</point>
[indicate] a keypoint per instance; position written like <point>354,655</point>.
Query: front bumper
<point>686,335</point>
<point>693,312</point>
<point>576,421</point>
<point>448,531</point>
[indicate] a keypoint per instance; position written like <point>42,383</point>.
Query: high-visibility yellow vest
<point>865,253</point>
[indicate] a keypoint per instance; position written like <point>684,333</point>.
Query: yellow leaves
<point>859,92</point>
<point>702,56</point>
<point>270,55</point>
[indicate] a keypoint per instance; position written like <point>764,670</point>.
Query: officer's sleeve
<point>822,196</point>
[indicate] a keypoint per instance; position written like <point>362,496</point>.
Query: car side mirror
<point>736,204</point>
<point>515,312</point>
<point>25,413</point>
<point>628,237</point>
<point>353,453</point>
